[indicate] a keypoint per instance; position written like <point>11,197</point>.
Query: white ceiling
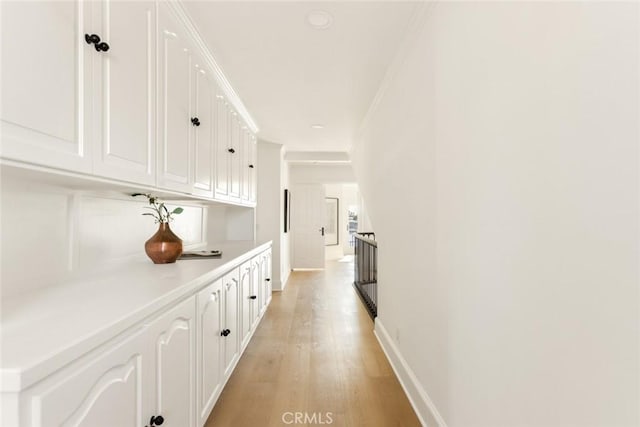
<point>290,75</point>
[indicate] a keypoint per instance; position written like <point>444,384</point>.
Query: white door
<point>236,155</point>
<point>222,145</point>
<point>175,107</point>
<point>124,113</point>
<point>209,348</point>
<point>46,83</point>
<point>245,306</point>
<point>204,128</point>
<point>308,213</point>
<point>174,343</point>
<point>230,331</point>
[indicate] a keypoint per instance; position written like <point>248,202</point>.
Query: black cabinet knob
<point>231,150</point>
<point>195,121</point>
<point>225,332</point>
<point>92,39</point>
<point>251,166</point>
<point>102,47</point>
<point>156,420</point>
<point>268,280</point>
<point>253,297</point>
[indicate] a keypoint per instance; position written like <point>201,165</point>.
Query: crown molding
<point>181,13</point>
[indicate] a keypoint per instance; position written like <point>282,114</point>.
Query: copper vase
<point>164,247</point>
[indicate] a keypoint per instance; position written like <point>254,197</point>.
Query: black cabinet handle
<point>94,39</point>
<point>156,420</point>
<point>268,280</point>
<point>251,166</point>
<point>195,121</point>
<point>102,47</point>
<point>231,150</point>
<point>253,297</point>
<point>225,332</point>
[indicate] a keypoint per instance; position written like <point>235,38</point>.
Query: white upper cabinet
<point>128,93</point>
<point>254,169</point>
<point>235,148</point>
<point>204,122</point>
<point>124,120</point>
<point>175,106</point>
<point>222,146</point>
<point>245,138</point>
<point>46,80</point>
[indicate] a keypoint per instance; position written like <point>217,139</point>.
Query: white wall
<point>310,173</point>
<point>51,233</point>
<point>500,172</point>
<point>270,209</point>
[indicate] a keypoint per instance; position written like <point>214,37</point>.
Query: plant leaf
<point>177,211</point>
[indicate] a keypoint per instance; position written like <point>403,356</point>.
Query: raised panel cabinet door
<point>253,169</point>
<point>222,146</point>
<point>245,193</point>
<point>210,335</point>
<point>255,291</point>
<point>230,321</point>
<point>204,93</point>
<point>174,350</point>
<point>267,280</point>
<point>125,91</point>
<point>175,111</point>
<point>246,306</point>
<point>46,80</point>
<point>103,390</point>
<point>236,157</point>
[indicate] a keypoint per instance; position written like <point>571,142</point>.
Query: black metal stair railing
<point>366,271</point>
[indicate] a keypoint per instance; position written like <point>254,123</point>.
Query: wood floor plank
<point>314,353</point>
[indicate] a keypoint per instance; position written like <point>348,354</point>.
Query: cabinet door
<point>246,305</point>
<point>175,56</point>
<point>209,348</point>
<point>267,282</point>
<point>235,158</point>
<point>174,344</point>
<point>230,320</point>
<point>204,92</point>
<point>255,291</point>
<point>222,145</point>
<point>106,390</point>
<point>125,91</point>
<point>46,79</point>
<point>253,169</point>
<point>245,193</point>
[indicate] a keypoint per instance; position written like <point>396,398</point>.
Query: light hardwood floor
<point>314,353</point>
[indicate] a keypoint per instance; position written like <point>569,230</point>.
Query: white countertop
<point>43,330</point>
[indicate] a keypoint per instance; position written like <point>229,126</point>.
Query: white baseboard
<point>420,400</point>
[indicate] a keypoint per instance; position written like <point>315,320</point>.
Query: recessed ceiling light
<point>319,19</point>
<point>317,126</point>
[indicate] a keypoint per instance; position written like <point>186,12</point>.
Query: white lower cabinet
<point>107,389</point>
<point>168,369</point>
<point>148,374</point>
<point>172,380</point>
<point>210,348</point>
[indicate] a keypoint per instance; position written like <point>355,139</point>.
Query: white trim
<point>420,400</point>
<point>223,82</point>
<point>415,25</point>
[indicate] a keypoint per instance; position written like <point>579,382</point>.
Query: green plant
<point>160,212</point>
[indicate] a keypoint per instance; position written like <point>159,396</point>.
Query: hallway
<point>314,354</point>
